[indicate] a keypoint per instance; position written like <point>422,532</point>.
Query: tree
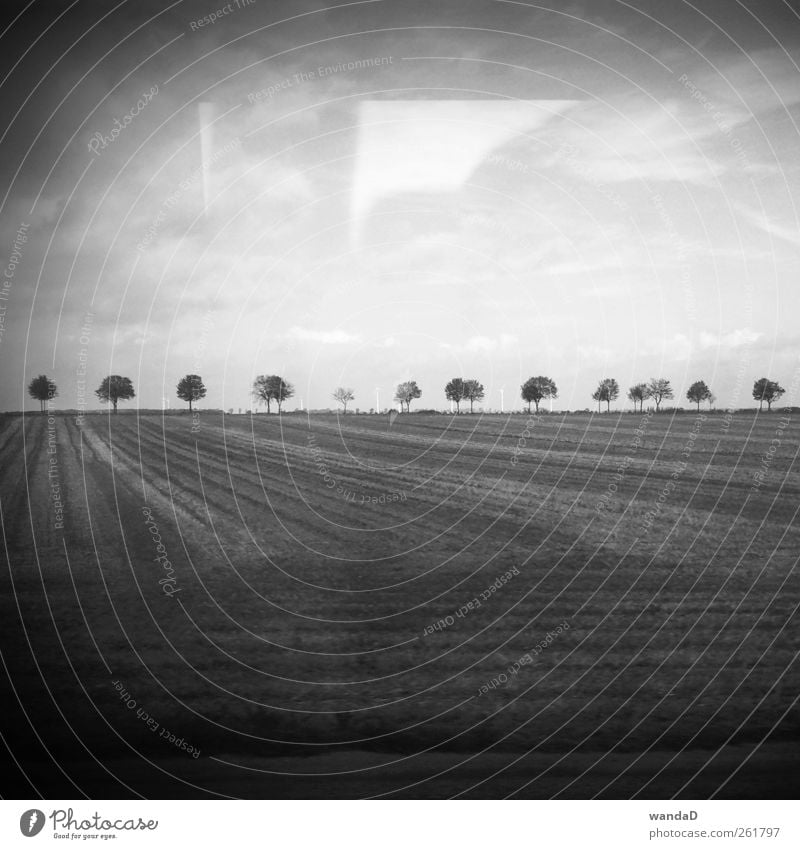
<point>699,392</point>
<point>191,388</point>
<point>767,390</point>
<point>43,390</point>
<point>283,390</point>
<point>406,393</point>
<point>659,389</point>
<point>638,392</point>
<point>343,396</point>
<point>271,387</point>
<point>473,391</point>
<point>536,388</point>
<point>115,388</point>
<point>608,391</point>
<point>454,391</point>
<point>261,390</point>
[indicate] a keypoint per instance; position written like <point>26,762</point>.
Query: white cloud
<point>434,146</point>
<point>483,344</point>
<point>676,348</point>
<point>593,353</point>
<point>323,337</point>
<point>734,339</point>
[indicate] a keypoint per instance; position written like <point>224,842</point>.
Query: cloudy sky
<point>364,193</point>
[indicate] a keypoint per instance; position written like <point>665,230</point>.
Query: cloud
<point>433,146</point>
<point>593,353</point>
<point>483,344</point>
<point>630,142</point>
<point>323,337</point>
<point>676,348</point>
<point>734,339</point>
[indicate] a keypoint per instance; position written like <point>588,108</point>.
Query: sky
<point>358,194</point>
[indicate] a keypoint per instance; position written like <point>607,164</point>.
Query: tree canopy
<point>271,387</point>
<point>115,388</point>
<point>191,388</point>
<point>607,390</point>
<point>767,390</point>
<point>659,389</point>
<point>698,392</point>
<point>43,390</point>
<point>537,388</point>
<point>638,393</point>
<point>473,391</point>
<point>406,392</point>
<point>454,391</point>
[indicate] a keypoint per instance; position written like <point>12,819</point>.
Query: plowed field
<point>285,590</point>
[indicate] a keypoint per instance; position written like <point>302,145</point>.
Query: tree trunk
<point>537,407</point>
<point>190,405</point>
<point>470,406</point>
<point>114,402</point>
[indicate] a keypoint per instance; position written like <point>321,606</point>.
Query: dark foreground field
<point>283,644</point>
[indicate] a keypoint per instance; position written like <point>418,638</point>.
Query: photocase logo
<point>31,822</point>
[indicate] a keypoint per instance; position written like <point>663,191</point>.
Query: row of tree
<point>657,389</point>
<point>116,388</point>
<point>271,387</point>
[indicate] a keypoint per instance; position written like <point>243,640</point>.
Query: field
<point>570,605</point>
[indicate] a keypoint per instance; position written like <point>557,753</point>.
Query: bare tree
<point>698,392</point>
<point>767,390</point>
<point>191,388</point>
<point>43,390</point>
<point>536,388</point>
<point>473,391</point>
<point>406,393</point>
<point>659,390</point>
<point>343,396</point>
<point>115,388</point>
<point>454,391</point>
